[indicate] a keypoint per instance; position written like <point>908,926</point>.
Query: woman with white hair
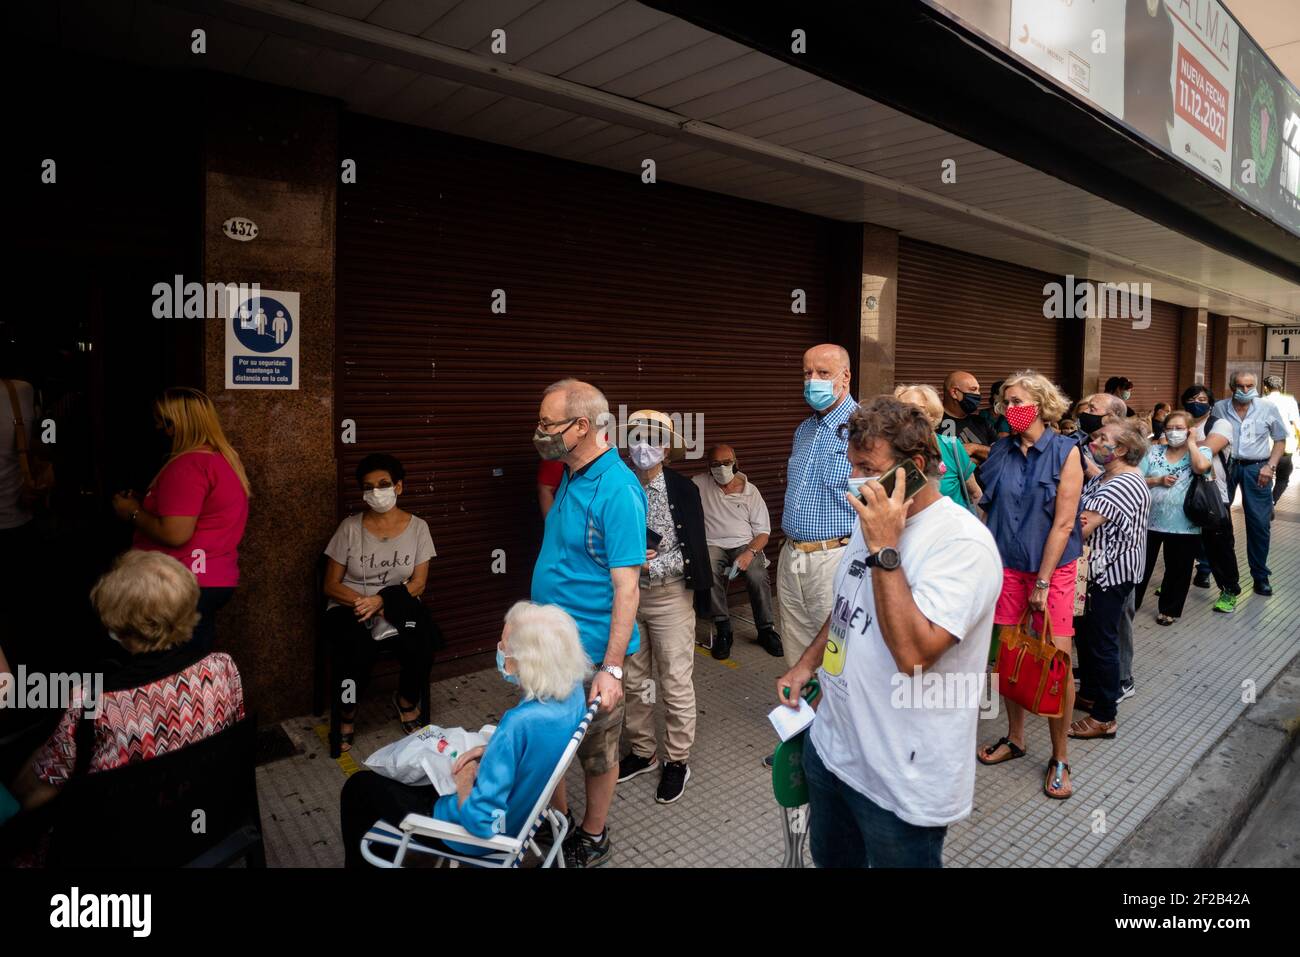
<point>166,693</point>
<point>957,471</point>
<point>540,652</point>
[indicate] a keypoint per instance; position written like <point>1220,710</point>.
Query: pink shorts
<point>1016,588</point>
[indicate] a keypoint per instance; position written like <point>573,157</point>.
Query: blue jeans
<point>1257,503</point>
<point>848,829</point>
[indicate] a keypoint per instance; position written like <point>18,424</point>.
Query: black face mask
<point>970,402</point>
<point>1089,422</point>
<point>1197,409</point>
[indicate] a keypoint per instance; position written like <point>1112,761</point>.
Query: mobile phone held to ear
<point>914,478</point>
<point>652,539</point>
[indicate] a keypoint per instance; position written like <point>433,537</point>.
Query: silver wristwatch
<point>614,671</point>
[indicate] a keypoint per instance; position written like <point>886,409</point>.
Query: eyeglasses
<point>715,464</point>
<point>544,425</point>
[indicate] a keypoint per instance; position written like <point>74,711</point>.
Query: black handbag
<point>1203,505</point>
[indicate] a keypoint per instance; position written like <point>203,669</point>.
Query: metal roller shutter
<point>1148,356</point>
<point>664,297</point>
<point>958,311</point>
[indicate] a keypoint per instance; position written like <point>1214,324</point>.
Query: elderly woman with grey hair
<point>496,786</point>
<point>164,691</point>
<point>1113,510</point>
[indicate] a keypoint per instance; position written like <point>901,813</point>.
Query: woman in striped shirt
<point>1113,510</point>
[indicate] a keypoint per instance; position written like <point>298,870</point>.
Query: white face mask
<point>1176,437</point>
<point>381,499</point>
<point>722,474</point>
<point>646,457</point>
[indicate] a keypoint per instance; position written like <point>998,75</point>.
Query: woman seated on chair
<point>496,787</point>
<point>377,568</point>
<point>166,692</point>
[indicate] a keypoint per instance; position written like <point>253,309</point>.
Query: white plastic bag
<point>428,755</point>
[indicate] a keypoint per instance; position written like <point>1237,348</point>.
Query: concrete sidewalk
<point>1189,677</point>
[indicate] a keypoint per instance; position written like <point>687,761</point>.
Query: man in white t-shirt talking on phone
<point>890,758</point>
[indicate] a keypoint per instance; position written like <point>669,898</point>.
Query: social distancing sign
<point>262,341</point>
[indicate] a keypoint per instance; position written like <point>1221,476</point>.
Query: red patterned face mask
<point>1021,417</point>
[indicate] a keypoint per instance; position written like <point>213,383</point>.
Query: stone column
<point>271,155</point>
<point>1216,377</point>
<point>1090,373</point>
<point>1192,331</point>
<point>877,311</point>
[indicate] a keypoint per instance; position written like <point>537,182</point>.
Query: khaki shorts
<point>598,752</point>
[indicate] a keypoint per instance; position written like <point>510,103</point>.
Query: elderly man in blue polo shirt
<point>817,519</point>
<point>590,565</point>
<point>1258,440</point>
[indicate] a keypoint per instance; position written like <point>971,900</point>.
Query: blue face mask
<point>1245,396</point>
<point>501,667</point>
<point>855,484</point>
<point>1197,409</point>
<point>819,393</point>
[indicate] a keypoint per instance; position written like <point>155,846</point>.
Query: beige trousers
<point>805,591</point>
<point>666,619</point>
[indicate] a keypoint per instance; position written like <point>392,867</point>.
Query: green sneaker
<point>1227,603</point>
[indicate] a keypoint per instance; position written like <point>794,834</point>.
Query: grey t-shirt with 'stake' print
<point>371,563</point>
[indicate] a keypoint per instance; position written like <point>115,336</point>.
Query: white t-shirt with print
<point>877,730</point>
<point>1224,428</point>
<point>370,563</point>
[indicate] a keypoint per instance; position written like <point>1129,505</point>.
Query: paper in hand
<point>789,722</point>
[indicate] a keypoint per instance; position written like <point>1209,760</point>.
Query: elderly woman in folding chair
<point>497,788</point>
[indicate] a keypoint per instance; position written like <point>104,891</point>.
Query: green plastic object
<point>788,784</point>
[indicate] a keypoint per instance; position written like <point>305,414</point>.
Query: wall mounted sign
<point>1180,72</point>
<point>1283,344</point>
<point>262,341</point>
<point>240,229</point>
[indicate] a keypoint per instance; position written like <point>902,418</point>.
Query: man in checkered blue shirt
<point>817,519</point>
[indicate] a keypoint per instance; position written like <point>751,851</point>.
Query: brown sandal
<point>1086,728</point>
<point>1013,752</point>
<point>1055,782</point>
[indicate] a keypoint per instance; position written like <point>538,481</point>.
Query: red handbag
<point>1031,670</point>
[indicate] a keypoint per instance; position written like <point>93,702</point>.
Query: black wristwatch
<point>887,559</point>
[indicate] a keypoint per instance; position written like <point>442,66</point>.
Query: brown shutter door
<point>958,311</point>
<point>662,296</point>
<point>1149,357</point>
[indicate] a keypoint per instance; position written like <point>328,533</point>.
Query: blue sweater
<point>520,756</point>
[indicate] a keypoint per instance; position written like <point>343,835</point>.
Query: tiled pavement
<point>1190,687</point>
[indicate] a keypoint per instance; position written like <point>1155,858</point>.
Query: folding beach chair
<point>505,851</point>
<point>791,790</point>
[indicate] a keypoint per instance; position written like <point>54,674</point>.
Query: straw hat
<point>655,427</point>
